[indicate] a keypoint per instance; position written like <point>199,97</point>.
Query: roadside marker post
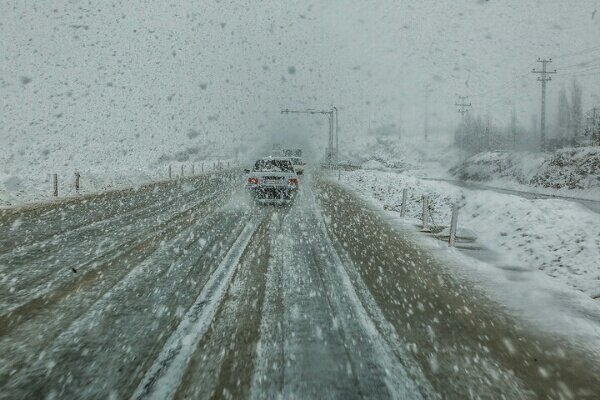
<point>403,206</point>
<point>425,215</point>
<point>193,170</point>
<point>77,176</point>
<point>55,180</point>
<point>182,170</point>
<point>453,224</point>
<point>169,171</point>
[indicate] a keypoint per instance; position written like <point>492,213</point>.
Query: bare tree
<point>563,115</point>
<point>576,108</point>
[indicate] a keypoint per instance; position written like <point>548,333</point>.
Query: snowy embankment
<point>573,172</point>
<point>558,237</point>
<point>35,185</point>
<point>38,186</point>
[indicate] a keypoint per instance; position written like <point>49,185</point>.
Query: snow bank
<point>570,171</point>
<point>373,164</point>
<point>570,168</point>
<point>403,153</point>
<point>494,165</point>
<point>558,237</point>
<point>38,187</point>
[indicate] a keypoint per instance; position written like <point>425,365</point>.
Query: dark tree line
<point>567,127</point>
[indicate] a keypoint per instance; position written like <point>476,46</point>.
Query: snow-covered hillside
<point>573,171</point>
<point>398,152</point>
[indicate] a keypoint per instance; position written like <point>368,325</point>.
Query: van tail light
<point>292,181</point>
<point>253,181</point>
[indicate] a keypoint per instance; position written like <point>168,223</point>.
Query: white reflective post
<point>77,176</point>
<point>55,179</point>
<point>425,214</point>
<point>453,224</point>
<point>403,206</point>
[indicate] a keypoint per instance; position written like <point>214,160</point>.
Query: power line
<point>589,70</point>
<point>594,73</point>
<point>578,52</point>
<point>582,64</point>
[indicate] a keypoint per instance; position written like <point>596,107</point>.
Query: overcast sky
<point>101,75</point>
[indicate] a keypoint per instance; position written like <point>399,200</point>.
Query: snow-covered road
<point>593,205</point>
<point>188,290</point>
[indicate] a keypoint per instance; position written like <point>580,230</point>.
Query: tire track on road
<point>465,344</point>
<point>109,345</point>
<point>66,282</point>
<point>163,378</point>
<point>92,244</point>
<point>267,381</point>
<point>316,338</point>
<point>56,218</point>
<point>29,224</point>
<point>22,344</point>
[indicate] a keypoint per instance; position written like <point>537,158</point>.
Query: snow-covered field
<point>15,191</point>
<point>37,185</point>
<point>558,237</point>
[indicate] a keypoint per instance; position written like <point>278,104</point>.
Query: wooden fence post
<point>425,215</point>
<point>77,176</point>
<point>453,224</point>
<point>403,206</point>
<point>55,180</point>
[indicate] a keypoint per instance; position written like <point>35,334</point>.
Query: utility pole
<point>332,149</point>
<point>463,108</point>
<point>513,126</point>
<point>330,118</point>
<point>595,127</point>
<point>543,77</point>
<point>426,128</point>
<point>337,139</point>
<point>487,133</point>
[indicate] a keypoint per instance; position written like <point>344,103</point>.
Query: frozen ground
<point>558,237</point>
